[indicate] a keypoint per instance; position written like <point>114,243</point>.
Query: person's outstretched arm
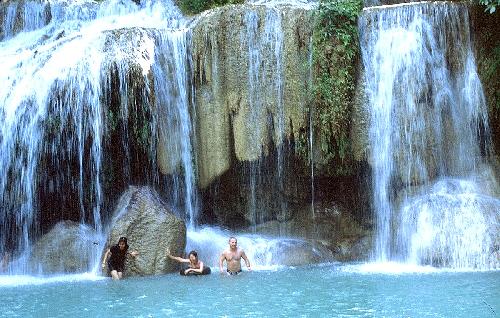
<point>133,254</point>
<point>175,258</point>
<point>247,262</point>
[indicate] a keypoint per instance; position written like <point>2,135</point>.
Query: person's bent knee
<point>115,274</point>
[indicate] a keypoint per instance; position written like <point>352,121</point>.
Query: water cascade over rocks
<point>98,96</point>
<point>435,198</point>
<point>86,85</point>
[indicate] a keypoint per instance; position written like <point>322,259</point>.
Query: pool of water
<point>330,290</point>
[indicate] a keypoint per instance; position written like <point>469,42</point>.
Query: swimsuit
<point>233,273</point>
<point>117,260</point>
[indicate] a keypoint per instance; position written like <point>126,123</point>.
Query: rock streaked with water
<point>250,63</point>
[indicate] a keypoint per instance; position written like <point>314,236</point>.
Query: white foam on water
<point>396,268</point>
<point>23,280</point>
<point>262,251</point>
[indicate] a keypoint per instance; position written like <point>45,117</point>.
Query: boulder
<point>69,247</point>
<point>151,228</point>
<point>294,252</point>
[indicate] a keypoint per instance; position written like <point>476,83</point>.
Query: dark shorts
<point>233,273</point>
<point>115,267</point>
<point>206,271</point>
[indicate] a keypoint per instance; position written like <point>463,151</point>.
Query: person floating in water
<point>116,263</point>
<point>233,257</point>
<point>196,267</point>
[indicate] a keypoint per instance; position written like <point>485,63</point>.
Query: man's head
<point>233,242</point>
<point>193,256</point>
<point>122,243</point>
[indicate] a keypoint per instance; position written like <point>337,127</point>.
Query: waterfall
<point>51,111</point>
<point>59,62</point>
<point>265,45</point>
<point>171,81</point>
<point>311,127</point>
<point>429,135</point>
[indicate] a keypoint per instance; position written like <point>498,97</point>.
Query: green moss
<point>335,56</point>
<point>196,6</point>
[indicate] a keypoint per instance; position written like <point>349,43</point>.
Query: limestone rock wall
<point>251,78</point>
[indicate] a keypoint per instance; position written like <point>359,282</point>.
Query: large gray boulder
<point>151,228</point>
<point>69,247</point>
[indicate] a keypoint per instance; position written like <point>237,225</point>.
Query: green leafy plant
<point>335,55</point>
<point>491,5</point>
<point>197,6</point>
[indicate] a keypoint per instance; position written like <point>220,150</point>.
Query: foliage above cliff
<point>335,55</point>
<point>491,5</point>
<point>197,6</point>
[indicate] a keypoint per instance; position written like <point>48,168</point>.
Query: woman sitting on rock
<point>196,266</point>
<point>116,263</point>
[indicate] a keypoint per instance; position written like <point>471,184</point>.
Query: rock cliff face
<point>251,80</point>
<point>150,228</point>
<point>486,41</point>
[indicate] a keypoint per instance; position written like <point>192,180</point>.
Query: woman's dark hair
<point>122,239</point>
<point>194,253</point>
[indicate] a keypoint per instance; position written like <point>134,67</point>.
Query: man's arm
<point>247,262</point>
<point>221,262</point>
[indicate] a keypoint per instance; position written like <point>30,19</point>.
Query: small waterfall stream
<point>429,135</point>
<point>265,87</point>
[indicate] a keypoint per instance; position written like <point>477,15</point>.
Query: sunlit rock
<point>151,228</point>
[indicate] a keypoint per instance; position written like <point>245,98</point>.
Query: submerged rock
<point>332,227</point>
<point>151,228</point>
<point>291,252</point>
<point>68,248</point>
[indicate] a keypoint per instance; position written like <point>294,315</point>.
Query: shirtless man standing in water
<point>233,257</point>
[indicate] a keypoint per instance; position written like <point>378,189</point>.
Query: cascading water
<point>56,67</point>
<point>49,87</point>
<point>263,252</point>
<point>311,127</point>
<point>429,137</point>
<point>172,87</point>
<point>265,87</point>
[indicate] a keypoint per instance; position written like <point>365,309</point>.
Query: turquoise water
<point>312,291</point>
